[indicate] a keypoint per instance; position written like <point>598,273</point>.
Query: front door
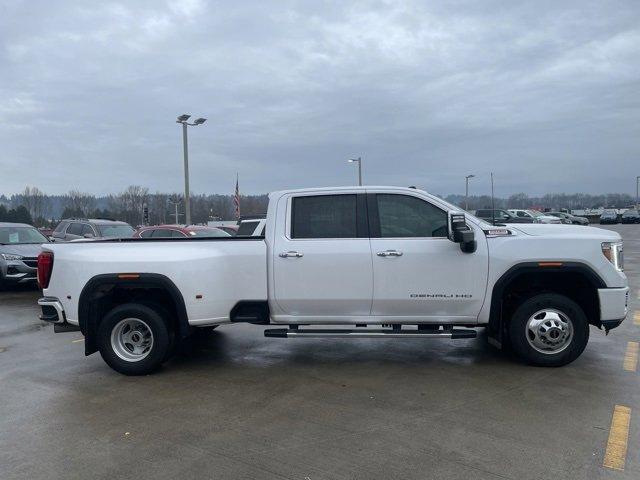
<point>322,259</point>
<point>418,272</point>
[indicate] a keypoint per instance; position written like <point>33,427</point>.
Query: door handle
<point>291,253</point>
<point>390,253</point>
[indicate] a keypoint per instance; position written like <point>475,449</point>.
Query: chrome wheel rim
<point>131,339</point>
<point>549,331</point>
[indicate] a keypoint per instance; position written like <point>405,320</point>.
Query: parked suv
<point>19,249</point>
<point>608,217</point>
<point>84,228</point>
<point>631,216</point>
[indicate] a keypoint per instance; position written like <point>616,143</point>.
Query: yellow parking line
<point>79,340</point>
<point>631,357</point>
<point>636,317</point>
<point>616,453</point>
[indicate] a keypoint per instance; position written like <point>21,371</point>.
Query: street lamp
<point>466,191</point>
<point>184,120</point>
<point>637,184</point>
<point>359,162</point>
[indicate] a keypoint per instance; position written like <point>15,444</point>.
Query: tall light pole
<point>637,184</point>
<point>359,162</point>
<point>466,191</point>
<point>184,120</point>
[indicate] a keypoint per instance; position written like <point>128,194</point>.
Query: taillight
<point>45,266</point>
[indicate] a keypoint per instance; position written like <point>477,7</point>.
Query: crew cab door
<point>321,258</point>
<point>418,272</point>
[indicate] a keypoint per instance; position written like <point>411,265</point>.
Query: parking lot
<point>238,405</point>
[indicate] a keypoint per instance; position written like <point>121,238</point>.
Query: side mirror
<point>460,232</point>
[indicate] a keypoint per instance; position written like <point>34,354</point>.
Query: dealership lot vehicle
<point>538,217</point>
<point>180,231</point>
<point>501,217</point>
<point>568,218</point>
<point>630,216</point>
<point>609,217</point>
<point>20,245</point>
<point>234,401</point>
<point>90,228</point>
<point>346,256</point>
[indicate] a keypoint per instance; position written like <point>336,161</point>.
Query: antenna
<point>493,205</point>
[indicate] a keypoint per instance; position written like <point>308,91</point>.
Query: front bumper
<point>19,271</point>
<point>614,306</point>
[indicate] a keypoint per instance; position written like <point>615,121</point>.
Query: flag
<point>236,199</point>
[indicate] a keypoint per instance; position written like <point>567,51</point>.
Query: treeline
<point>572,201</point>
<point>38,208</point>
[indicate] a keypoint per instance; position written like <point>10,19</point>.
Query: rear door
<point>322,258</point>
<point>418,272</point>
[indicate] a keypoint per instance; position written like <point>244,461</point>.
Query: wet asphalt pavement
<point>239,405</point>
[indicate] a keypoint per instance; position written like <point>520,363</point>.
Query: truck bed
<point>233,269</point>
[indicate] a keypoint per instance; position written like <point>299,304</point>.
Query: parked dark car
<point>90,228</point>
<point>568,218</point>
<point>20,245</point>
<point>631,216</point>
<point>609,217</point>
<point>501,216</point>
<point>180,231</point>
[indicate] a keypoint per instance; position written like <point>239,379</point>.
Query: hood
<point>563,230</point>
<point>26,250</point>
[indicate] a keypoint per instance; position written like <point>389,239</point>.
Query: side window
<point>60,228</point>
<point>146,233</point>
<point>407,216</point>
<point>87,229</point>
<point>75,229</point>
<point>177,234</point>
<point>324,216</point>
<point>161,233</point>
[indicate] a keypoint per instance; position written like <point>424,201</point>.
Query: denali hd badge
<point>440,295</point>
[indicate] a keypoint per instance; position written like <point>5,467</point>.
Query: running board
<point>387,333</point>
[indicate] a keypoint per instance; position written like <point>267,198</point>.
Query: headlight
<point>613,252</point>
<point>8,256</point>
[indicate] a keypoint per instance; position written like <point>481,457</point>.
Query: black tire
<point>521,338</point>
<point>157,351</point>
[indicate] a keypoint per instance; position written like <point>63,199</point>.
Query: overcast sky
<point>546,96</point>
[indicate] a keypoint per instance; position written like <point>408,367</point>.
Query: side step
<point>452,333</point>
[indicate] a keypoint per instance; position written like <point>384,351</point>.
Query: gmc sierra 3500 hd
<point>389,262</point>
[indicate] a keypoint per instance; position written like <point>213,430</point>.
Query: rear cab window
<point>324,216</point>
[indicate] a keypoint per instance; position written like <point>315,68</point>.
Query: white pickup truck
<point>379,262</point>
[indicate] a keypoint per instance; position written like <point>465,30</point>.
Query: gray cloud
<point>546,96</point>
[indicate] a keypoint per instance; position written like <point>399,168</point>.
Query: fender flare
<point>496,324</point>
<point>88,316</point>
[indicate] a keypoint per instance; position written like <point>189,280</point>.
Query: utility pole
<point>359,162</point>
<point>493,205</point>
<point>637,184</point>
<point>466,191</point>
<point>183,119</point>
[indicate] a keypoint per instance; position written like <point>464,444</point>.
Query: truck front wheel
<point>549,330</point>
<point>133,339</point>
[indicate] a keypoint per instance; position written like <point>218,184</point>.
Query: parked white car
<point>537,216</point>
<point>354,262</point>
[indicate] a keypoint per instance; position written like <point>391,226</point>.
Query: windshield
<point>115,231</point>
<point>208,233</point>
<point>21,236</point>
<point>534,213</point>
<point>630,213</point>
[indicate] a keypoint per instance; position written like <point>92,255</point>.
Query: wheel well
<point>103,293</point>
<point>577,282</point>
